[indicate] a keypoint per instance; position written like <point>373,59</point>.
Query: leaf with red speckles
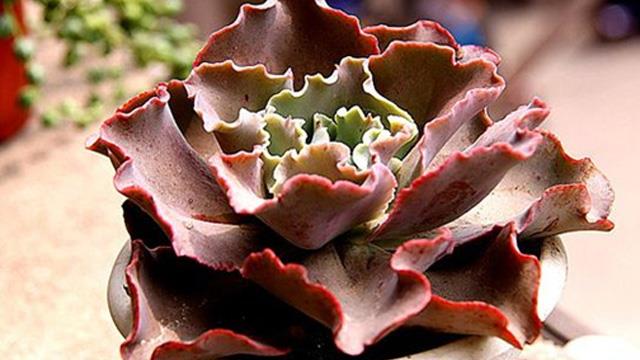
<point>549,194</point>
<point>349,288</point>
<point>445,193</point>
<point>179,311</point>
<point>441,94</point>
<point>421,31</point>
<point>305,36</point>
<point>513,135</point>
<point>483,287</point>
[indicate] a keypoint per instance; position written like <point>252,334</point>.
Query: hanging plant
<point>145,31</point>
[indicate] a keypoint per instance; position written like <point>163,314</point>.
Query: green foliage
<point>146,29</point>
<point>23,48</point>
<point>35,74</point>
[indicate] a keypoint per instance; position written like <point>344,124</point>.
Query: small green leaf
<point>69,108</point>
<point>350,85</point>
<point>28,96</point>
<point>72,56</point>
<point>284,134</point>
<point>35,74</point>
<point>352,124</point>
<point>50,118</point>
<point>324,129</point>
<point>23,49</point>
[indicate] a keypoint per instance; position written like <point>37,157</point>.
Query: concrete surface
<point>60,226</point>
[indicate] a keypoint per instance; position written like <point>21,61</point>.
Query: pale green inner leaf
<point>335,127</point>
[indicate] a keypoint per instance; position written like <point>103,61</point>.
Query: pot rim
<point>554,268</point>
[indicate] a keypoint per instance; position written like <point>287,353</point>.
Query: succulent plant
<point>314,189</point>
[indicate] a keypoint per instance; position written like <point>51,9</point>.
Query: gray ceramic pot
<point>554,273</point>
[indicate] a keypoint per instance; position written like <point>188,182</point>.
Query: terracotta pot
<point>553,261</point>
<point>13,75</point>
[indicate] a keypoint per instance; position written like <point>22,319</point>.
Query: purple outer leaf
<point>484,287</point>
<point>174,319</point>
<point>440,92</point>
<point>449,204</point>
<point>334,286</point>
<point>173,184</point>
<point>305,36</point>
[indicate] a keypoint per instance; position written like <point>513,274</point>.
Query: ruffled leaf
<point>303,35</point>
<point>179,311</point>
<point>350,85</point>
<point>445,193</point>
<point>352,124</point>
<point>440,93</point>
<point>246,134</point>
<point>549,194</point>
<point>221,90</point>
<point>173,184</point>
<point>421,31</point>
<point>485,287</point>
<point>351,289</point>
<point>330,160</point>
<point>395,142</point>
<point>284,134</point>
<point>501,277</point>
<point>308,210</point>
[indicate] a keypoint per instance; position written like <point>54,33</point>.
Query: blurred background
<point>65,64</point>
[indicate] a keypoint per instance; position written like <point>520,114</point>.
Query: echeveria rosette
<point>311,174</point>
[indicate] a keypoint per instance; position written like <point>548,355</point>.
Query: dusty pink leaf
<point>303,35</point>
<point>173,184</point>
<point>309,210</point>
<point>440,92</point>
<point>436,198</point>
<point>420,254</point>
<point>527,117</point>
<point>421,31</point>
<point>445,193</point>
<point>351,289</point>
<point>401,133</point>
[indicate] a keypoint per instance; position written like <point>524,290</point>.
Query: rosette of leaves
<point>314,189</point>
